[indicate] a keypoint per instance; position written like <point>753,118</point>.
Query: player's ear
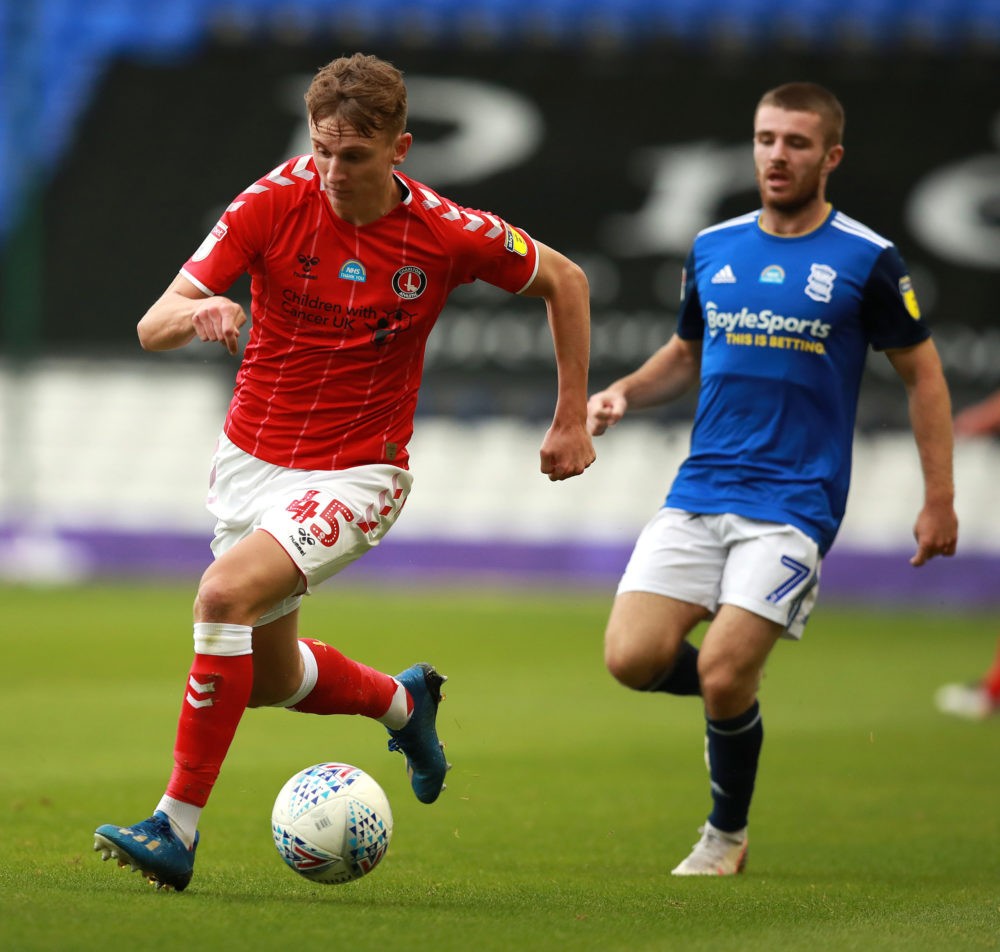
<point>402,146</point>
<point>833,158</point>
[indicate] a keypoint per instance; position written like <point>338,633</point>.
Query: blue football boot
<point>418,740</point>
<point>152,848</point>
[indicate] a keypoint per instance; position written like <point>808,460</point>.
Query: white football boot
<point>716,854</point>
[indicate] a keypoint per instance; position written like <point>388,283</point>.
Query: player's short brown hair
<point>810,97</point>
<point>363,91</point>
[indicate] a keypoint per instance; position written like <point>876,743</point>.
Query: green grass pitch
<point>875,827</point>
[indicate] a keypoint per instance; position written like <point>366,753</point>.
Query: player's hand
<point>983,419</point>
<point>936,532</point>
<point>604,409</point>
<point>219,319</point>
<point>566,452</point>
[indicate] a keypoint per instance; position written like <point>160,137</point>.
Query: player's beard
<point>808,194</point>
<point>795,204</point>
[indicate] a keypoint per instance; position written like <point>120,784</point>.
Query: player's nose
<point>334,171</point>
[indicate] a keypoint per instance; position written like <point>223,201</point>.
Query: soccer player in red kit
<point>351,262</point>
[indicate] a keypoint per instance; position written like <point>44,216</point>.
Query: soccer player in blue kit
<point>778,310</point>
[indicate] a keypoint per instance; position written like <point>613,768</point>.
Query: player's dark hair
<point>362,91</point>
<point>810,97</point>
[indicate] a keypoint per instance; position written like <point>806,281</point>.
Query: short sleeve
<point>690,320</point>
<point>889,309</point>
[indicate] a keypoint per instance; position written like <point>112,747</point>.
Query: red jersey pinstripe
<point>340,314</point>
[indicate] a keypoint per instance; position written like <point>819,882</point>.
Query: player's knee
<point>726,689</point>
<point>626,666</point>
<point>222,598</point>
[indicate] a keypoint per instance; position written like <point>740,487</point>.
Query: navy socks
<point>683,676</point>
<point>733,745</point>
<point>733,751</point>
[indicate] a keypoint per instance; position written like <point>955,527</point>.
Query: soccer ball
<point>331,823</point>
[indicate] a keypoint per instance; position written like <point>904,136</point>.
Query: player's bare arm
<point>567,449</point>
<point>936,528</point>
<point>183,312</point>
<point>668,374</point>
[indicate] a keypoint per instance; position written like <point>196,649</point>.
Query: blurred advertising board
<point>617,159</point>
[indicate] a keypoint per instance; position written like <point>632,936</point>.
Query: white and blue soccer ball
<point>332,823</point>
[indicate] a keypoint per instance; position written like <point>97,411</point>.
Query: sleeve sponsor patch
<point>514,242</point>
<point>211,240</point>
<point>909,297</point>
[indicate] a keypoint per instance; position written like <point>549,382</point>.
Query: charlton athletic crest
<point>409,282</point>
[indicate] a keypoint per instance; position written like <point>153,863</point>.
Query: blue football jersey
<point>786,324</point>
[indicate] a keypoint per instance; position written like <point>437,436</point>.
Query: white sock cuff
<point>398,714</point>
<point>310,675</point>
<point>228,641</point>
<point>183,817</point>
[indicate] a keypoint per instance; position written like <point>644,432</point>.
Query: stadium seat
<point>979,22</point>
<point>868,22</point>
<point>810,23</point>
<point>932,23</point>
<point>742,22</point>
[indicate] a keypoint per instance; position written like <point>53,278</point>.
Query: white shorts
<point>768,568</point>
<point>323,519</point>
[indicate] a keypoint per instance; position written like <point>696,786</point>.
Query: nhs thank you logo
<point>353,270</point>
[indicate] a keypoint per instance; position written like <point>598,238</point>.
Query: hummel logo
<point>208,687</point>
<point>198,687</point>
<point>306,538</point>
<point>724,276</point>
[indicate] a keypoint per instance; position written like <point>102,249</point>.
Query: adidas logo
<point>724,276</point>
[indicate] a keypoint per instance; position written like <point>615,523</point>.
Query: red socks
<point>216,696</point>
<point>218,690</point>
<point>343,686</point>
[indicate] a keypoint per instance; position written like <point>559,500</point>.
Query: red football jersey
<point>340,313</point>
